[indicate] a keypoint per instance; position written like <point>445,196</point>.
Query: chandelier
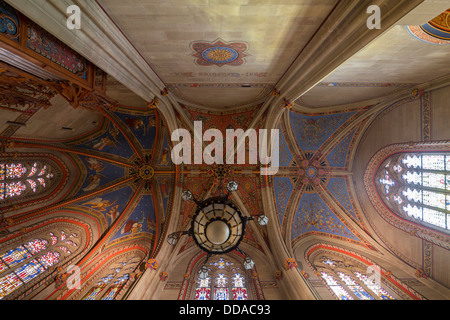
<point>218,226</point>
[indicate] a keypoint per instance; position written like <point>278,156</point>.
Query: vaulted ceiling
<point>312,69</point>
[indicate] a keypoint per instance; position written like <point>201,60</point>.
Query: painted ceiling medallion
<point>439,27</point>
<point>436,31</point>
<point>143,172</point>
<point>312,171</point>
<point>146,172</point>
<point>219,53</point>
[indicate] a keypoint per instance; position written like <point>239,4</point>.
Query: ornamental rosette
<point>152,264</point>
<point>163,276</point>
<point>290,263</point>
<point>219,53</point>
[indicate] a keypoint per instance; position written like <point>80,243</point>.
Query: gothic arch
<point>30,258</point>
<point>226,265</point>
<point>350,275</point>
<point>387,208</point>
<point>108,275</point>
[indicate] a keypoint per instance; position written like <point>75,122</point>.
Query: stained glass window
<point>221,287</point>
<point>54,238</point>
<point>221,294</point>
<point>2,191</point>
<point>13,257</point>
<point>112,292</point>
<point>203,291</point>
<point>30,270</point>
<point>221,263</point>
<point>22,178</point>
<point>337,289</point>
<point>8,284</point>
<point>94,292</point>
<point>36,246</point>
<point>350,284</point>
<point>354,287</point>
<point>221,280</point>
<point>240,294</point>
<point>418,186</point>
<point>15,171</point>
<point>238,281</point>
<point>33,170</point>
<point>22,264</point>
<point>203,294</point>
<point>238,287</point>
<point>2,171</point>
<point>14,189</point>
<point>112,279</point>
<point>49,259</point>
<point>376,288</point>
<point>227,281</point>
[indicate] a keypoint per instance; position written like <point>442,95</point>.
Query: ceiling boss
<point>146,172</point>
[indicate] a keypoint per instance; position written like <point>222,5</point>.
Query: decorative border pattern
<point>51,48</point>
<point>427,257</point>
<point>426,116</point>
<point>419,33</point>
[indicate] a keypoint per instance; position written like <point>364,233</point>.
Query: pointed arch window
<point>227,282</point>
<point>112,280</point>
<point>417,186</point>
<point>347,281</point>
<point>112,292</point>
<point>333,284</point>
<point>19,179</point>
<point>22,264</point>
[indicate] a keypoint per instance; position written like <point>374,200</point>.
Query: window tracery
<point>417,186</point>
<point>113,280</point>
<point>25,262</point>
<point>227,282</point>
<point>21,178</point>
<point>348,280</point>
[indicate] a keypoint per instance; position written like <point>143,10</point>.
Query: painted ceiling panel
<point>165,156</point>
<point>143,128</point>
<point>313,216</point>
<point>285,153</point>
<point>312,131</point>
<point>109,204</point>
<point>272,33</point>
<point>378,70</point>
<point>338,156</point>
<point>165,188</point>
<point>338,188</point>
<point>112,142</point>
<point>142,220</point>
<point>283,189</point>
<point>99,173</point>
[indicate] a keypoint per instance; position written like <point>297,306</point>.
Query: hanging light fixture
<point>218,226</point>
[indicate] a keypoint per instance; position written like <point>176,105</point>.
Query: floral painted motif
<point>51,48</point>
<point>219,53</point>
